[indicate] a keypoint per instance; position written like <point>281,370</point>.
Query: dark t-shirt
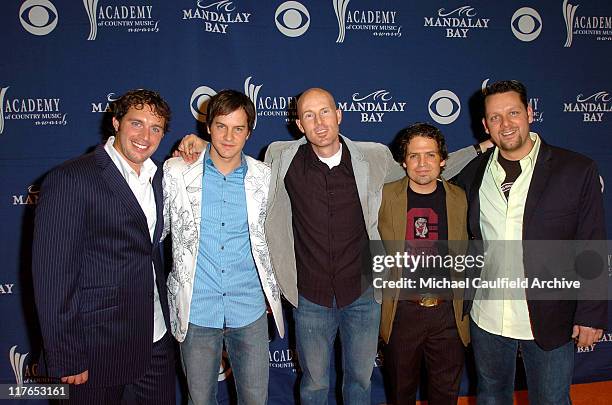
<point>426,225</point>
<point>513,171</point>
<point>426,215</point>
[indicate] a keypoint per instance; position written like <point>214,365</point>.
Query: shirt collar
<point>242,169</point>
<point>312,159</point>
<point>147,170</point>
<point>527,162</point>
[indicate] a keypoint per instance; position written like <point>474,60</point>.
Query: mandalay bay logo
<point>599,27</point>
<point>128,18</point>
<point>591,107</point>
<point>458,22</point>
<point>218,16</point>
<point>380,23</point>
<point>106,105</point>
<point>372,106</point>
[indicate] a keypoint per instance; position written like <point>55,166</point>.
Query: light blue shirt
<point>227,291</point>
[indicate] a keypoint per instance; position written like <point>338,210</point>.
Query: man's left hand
<point>586,336</point>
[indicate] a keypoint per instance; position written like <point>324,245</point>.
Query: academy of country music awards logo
<point>284,358</point>
<point>526,24</point>
<point>534,102</point>
<point>592,107</point>
<point>598,27</point>
<point>106,105</point>
<point>380,23</point>
<point>372,106</point>
<point>39,110</point>
<point>274,107</point>
<point>38,17</point>
<point>217,16</point>
<point>457,23</point>
<point>124,17</point>
<point>25,373</point>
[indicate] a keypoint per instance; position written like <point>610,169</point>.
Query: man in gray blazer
<point>325,193</point>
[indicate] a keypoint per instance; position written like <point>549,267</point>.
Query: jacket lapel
<point>399,207</point>
<point>159,204</point>
<point>455,214</point>
<point>539,180</point>
<point>361,170</point>
<point>192,179</point>
<point>278,175</point>
<point>474,195</point>
<point>120,188</point>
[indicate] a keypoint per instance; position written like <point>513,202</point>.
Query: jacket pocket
<point>98,298</point>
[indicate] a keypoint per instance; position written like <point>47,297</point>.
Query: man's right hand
<point>76,379</point>
<point>190,148</point>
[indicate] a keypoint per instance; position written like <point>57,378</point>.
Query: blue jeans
<point>247,348</point>
<point>549,373</point>
<point>316,327</point>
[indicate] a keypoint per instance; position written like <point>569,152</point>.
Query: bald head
<point>319,120</point>
<point>314,92</point>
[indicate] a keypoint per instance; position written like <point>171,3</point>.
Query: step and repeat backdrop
<point>388,63</point>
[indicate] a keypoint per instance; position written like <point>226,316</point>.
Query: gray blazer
<point>373,166</point>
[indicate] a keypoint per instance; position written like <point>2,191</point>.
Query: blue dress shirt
<point>227,291</point>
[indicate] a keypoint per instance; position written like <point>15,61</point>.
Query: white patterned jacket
<point>182,184</point>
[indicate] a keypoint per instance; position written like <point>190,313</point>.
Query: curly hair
<point>420,129</point>
<point>138,99</point>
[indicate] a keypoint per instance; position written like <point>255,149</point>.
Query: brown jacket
<point>392,227</point>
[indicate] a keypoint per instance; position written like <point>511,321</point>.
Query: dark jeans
<point>316,327</point>
<point>549,373</point>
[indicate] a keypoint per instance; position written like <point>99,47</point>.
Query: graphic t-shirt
<point>513,171</point>
<point>426,225</point>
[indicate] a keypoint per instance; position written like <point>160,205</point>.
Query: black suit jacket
<point>92,274</point>
<point>564,202</point>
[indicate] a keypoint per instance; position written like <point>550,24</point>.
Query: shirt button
<point>222,271</point>
<point>222,247</point>
<point>224,294</point>
<point>222,223</point>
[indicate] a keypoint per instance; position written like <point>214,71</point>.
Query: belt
<point>427,301</point>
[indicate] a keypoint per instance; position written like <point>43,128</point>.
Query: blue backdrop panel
<point>389,64</point>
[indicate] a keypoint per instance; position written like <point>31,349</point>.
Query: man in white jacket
<point>222,274</point>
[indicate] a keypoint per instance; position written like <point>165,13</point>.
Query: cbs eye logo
<point>199,102</point>
<point>38,17</point>
<point>526,24</point>
<point>292,18</point>
<point>444,106</point>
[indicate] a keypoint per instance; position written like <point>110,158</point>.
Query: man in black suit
<point>527,190</point>
<point>99,283</point>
